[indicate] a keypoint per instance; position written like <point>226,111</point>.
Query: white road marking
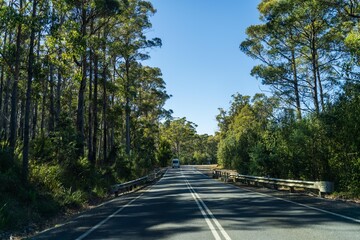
<point>310,207</point>
<point>296,203</point>
<point>115,213</point>
<point>211,226</point>
<point>207,214</point>
<point>107,219</point>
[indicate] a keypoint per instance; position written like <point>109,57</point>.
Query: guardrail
<point>131,185</point>
<point>322,187</point>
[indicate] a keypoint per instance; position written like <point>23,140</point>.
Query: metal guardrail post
<point>324,187</point>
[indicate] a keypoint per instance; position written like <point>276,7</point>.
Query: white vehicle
<point>175,163</point>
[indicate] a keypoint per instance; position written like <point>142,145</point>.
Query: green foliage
<point>246,120</point>
<point>90,93</point>
<point>60,145</point>
<point>186,144</point>
<point>305,49</point>
<point>164,153</point>
<point>318,147</point>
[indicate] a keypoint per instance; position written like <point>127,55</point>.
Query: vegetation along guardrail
<point>321,186</point>
<point>131,185</point>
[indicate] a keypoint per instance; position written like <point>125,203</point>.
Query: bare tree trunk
<point>58,85</point>
<point>2,91</point>
<point>35,105</point>
<point>35,117</point>
<point>81,96</point>
<point>5,110</point>
<point>296,86</point>
<point>322,101</point>
<point>90,116</point>
<point>14,96</point>
<point>43,107</point>
<point>95,108</point>
<point>25,165</point>
<point>127,107</point>
<point>104,109</point>
<point>51,98</point>
<point>314,71</point>
<point>58,96</point>
<point>20,133</point>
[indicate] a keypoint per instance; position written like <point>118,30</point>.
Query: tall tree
<point>30,72</point>
<point>14,95</point>
<point>299,48</point>
<point>132,46</point>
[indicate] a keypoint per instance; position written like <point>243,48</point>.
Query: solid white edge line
<point>107,219</point>
<point>112,215</point>
<point>296,203</point>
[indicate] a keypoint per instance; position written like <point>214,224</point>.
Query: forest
<point>307,53</point>
<point>80,111</point>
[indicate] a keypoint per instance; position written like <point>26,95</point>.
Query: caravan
<point>175,163</point>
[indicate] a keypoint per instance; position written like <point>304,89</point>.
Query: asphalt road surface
<point>186,205</point>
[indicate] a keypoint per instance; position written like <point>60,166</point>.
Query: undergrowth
<point>53,189</point>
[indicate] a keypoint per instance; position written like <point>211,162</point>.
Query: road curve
<point>186,205</point>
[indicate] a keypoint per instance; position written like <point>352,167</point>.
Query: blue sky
<point>200,57</point>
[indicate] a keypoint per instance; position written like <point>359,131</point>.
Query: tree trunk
<point>296,86</point>
<point>35,107</point>
<point>52,107</point>
<point>81,96</point>
<point>5,110</point>
<point>35,116</point>
<point>127,107</point>
<point>314,71</point>
<point>95,107</point>
<point>58,96</point>
<point>2,91</point>
<point>322,101</point>
<point>43,107</point>
<point>58,85</point>
<point>20,133</point>
<point>104,109</point>
<point>25,165</point>
<point>14,96</point>
<point>90,116</point>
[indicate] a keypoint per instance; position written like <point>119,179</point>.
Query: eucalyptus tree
<point>129,46</point>
<point>204,149</point>
<point>248,120</point>
<point>8,26</point>
<point>151,94</point>
<point>181,134</point>
<point>30,74</point>
<point>147,110</point>
<point>164,152</point>
<point>274,47</point>
<point>16,78</point>
<point>300,50</point>
<point>3,85</point>
<point>347,17</point>
<point>83,12</point>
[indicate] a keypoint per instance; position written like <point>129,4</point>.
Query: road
<point>186,205</point>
